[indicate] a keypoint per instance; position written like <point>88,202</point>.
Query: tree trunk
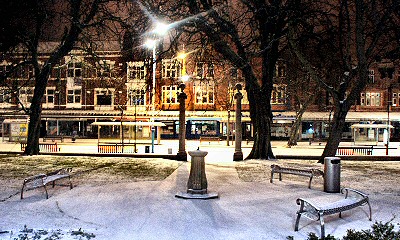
<point>35,112</point>
<point>261,117</point>
<point>294,132</point>
<point>335,135</point>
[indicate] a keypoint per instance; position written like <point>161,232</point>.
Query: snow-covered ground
<point>248,207</point>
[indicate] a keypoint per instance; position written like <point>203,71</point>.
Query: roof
<point>155,124</point>
<point>360,125</point>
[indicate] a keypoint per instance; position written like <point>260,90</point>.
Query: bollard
<point>197,183</point>
<point>332,174</point>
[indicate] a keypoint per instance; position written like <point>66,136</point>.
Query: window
<point>136,97</point>
<point>232,93</point>
<point>26,95</point>
<point>395,99</point>
<point>74,69</point>
<point>281,71</point>
<point>171,68</point>
<point>204,93</point>
<point>170,94</point>
<point>5,97</point>
<point>278,94</point>
<point>371,99</point>
<point>371,76</point>
<point>104,98</point>
<point>205,70</point>
<point>74,97</point>
<point>48,98</point>
<point>136,70</point>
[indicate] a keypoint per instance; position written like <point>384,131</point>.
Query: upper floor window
<point>26,95</point>
<point>278,94</point>
<point>386,72</point>
<point>371,99</point>
<point>170,94</point>
<point>74,69</point>
<point>103,98</point>
<point>74,97</point>
<point>136,70</point>
<point>280,71</point>
<point>204,92</point>
<point>171,68</point>
<point>233,92</point>
<point>5,96</point>
<point>48,98</point>
<point>105,68</point>
<point>395,99</point>
<point>371,76</point>
<point>136,97</point>
<point>205,70</point>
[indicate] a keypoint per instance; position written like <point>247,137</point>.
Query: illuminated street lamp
<point>160,30</point>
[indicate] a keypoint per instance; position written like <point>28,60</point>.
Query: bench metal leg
<point>370,210</point>
<point>272,177</point>
<point>296,226</point>
<point>22,191</point>
<point>309,183</point>
<point>321,219</point>
<point>47,194</point>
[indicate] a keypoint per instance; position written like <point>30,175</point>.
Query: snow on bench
<point>315,212</point>
<point>41,180</point>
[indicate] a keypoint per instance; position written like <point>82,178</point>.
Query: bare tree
<point>348,36</point>
<point>250,35</point>
<point>79,22</point>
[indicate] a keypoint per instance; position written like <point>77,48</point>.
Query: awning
<point>151,124</point>
<point>360,125</point>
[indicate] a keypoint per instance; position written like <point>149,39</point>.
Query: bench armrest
<point>359,193</point>
<point>33,178</point>
<point>62,171</point>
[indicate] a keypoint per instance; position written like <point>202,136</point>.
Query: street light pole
<point>153,92</point>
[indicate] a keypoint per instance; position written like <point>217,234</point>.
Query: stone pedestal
<point>197,183</point>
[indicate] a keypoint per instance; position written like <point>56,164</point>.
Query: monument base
<point>238,156</point>
<point>205,196</point>
<point>181,156</point>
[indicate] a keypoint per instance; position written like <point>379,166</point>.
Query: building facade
<point>84,89</point>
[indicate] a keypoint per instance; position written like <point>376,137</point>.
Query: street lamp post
<point>388,119</point>
<point>159,30</point>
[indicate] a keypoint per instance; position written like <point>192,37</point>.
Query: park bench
<point>315,212</point>
<point>53,138</point>
<point>300,172</point>
<point>209,139</point>
<point>42,180</point>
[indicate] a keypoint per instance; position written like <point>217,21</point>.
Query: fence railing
<point>350,151</point>
<point>116,148</point>
<point>44,147</point>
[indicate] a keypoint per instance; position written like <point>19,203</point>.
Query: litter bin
<point>332,174</point>
<point>147,149</point>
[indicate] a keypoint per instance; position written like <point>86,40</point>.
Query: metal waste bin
<point>147,149</point>
<point>332,174</point>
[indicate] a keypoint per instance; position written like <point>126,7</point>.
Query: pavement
<point>150,210</point>
<point>217,151</point>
